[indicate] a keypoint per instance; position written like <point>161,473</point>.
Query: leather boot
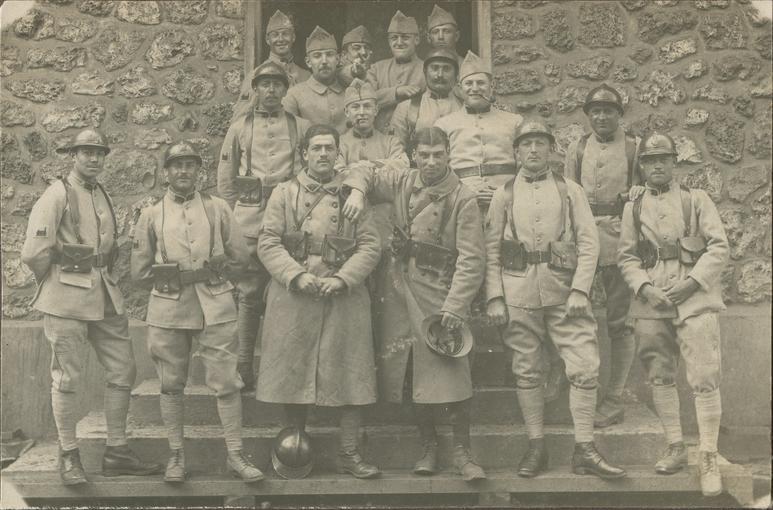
<point>175,467</point>
<point>535,460</point>
<point>587,460</point>
<point>352,463</point>
<point>70,467</point>
<point>465,466</point>
<point>120,460</point>
<point>711,479</point>
<point>609,412</point>
<point>427,464</point>
<point>247,374</point>
<point>673,459</point>
<point>242,468</point>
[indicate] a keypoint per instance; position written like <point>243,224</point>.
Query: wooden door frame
<point>253,32</point>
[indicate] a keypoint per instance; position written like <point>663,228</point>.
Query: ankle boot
<point>587,460</point>
<point>427,464</point>
<point>535,460</point>
<point>242,468</point>
<point>465,466</point>
<point>70,467</point>
<point>673,460</point>
<point>711,479</point>
<point>120,460</point>
<point>352,463</point>
<point>175,467</point>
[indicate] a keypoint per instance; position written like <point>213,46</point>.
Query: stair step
<point>34,475</point>
<point>637,441</point>
<point>489,406</point>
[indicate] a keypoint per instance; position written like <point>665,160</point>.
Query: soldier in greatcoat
<point>71,248</point>
<point>317,349</point>
<point>320,99</point>
<point>603,162</point>
<point>542,247</point>
<point>402,76</point>
<point>672,251</point>
<point>356,54</point>
<point>260,150</point>
<point>438,220</point>
<point>185,245</point>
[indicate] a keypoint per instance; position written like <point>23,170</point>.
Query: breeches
<point>170,350</point>
<point>696,338</point>
<point>618,301</point>
<point>574,337</point>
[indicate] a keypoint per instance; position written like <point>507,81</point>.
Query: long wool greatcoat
<point>316,350</point>
<point>410,294</point>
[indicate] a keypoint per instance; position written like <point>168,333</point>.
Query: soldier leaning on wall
<point>71,247</point>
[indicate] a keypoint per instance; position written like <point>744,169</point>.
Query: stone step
<point>34,475</point>
<point>637,441</point>
<point>489,406</point>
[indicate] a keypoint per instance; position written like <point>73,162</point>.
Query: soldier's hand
<point>679,292</point>
<point>485,193</point>
<point>656,297</point>
<point>330,286</point>
<point>354,205</point>
<point>406,91</point>
<point>577,305</point>
<point>307,283</point>
<point>496,309</point>
<point>635,192</point>
<point>358,70</point>
<point>450,321</point>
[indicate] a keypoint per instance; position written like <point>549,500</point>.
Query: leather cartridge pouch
<point>336,250</point>
<point>166,277</point>
<point>401,243</point>
<point>434,257</point>
<point>76,258</point>
<point>563,255</point>
<point>297,245</point>
<point>648,253</point>
<point>513,255</point>
<point>250,189</point>
<point>217,266</point>
<point>690,249</point>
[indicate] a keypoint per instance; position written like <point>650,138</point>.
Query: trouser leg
<point>460,422</point>
<point>622,340</point>
<point>350,422</point>
<point>424,414</point>
<point>251,307</point>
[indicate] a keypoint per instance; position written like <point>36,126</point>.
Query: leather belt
<point>485,170</point>
<point>668,252</point>
<point>98,260</point>
<point>537,257</point>
<point>196,276</point>
<point>607,209</point>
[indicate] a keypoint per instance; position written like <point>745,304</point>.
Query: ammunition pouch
<point>297,245</point>
<point>217,267</point>
<point>250,189</point>
<point>690,249</point>
<point>76,258</point>
<point>648,253</point>
<point>336,250</point>
<point>512,255</point>
<point>563,255</point>
<point>400,243</point>
<point>433,257</point>
<point>608,208</point>
<point>166,277</point>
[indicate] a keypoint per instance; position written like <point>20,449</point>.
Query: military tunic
<point>431,108</point>
<point>295,73</point>
<point>409,294</point>
<point>316,350</point>
<point>388,74</point>
<point>317,103</point>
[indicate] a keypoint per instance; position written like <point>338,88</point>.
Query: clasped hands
<point>663,299</point>
<point>307,283</point>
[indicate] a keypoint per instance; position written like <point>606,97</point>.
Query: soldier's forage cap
<point>357,35</point>
<point>320,39</point>
<point>278,21</point>
<point>439,16</point>
<point>442,54</point>
<point>402,24</point>
<point>533,127</point>
<point>473,64</point>
<point>180,150</point>
<point>87,138</point>
<point>603,94</point>
<point>291,455</point>
<point>656,144</point>
<point>359,90</point>
<point>455,344</point>
<point>269,69</point>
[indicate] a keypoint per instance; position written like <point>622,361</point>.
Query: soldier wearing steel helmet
<point>541,252</point>
<point>260,150</point>
<point>603,162</point>
<point>71,247</point>
<point>186,246</point>
<point>672,251</point>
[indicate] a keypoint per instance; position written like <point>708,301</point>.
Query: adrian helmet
<point>291,454</point>
<point>657,143</point>
<point>440,340</point>
<point>603,94</point>
<point>87,138</point>
<point>180,150</point>
<point>533,127</point>
<point>269,69</point>
<point>444,55</point>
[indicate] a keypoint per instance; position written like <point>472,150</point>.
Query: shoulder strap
<point>209,212</point>
<point>581,143</point>
<point>637,216</point>
<point>407,198</point>
<point>565,203</point>
<point>686,209</point>
<point>630,157</point>
<point>160,233</point>
<point>446,214</point>
<point>112,211</point>
<point>412,116</point>
<point>249,121</point>
<point>299,221</point>
<point>71,203</point>
<point>509,185</point>
<point>292,128</point>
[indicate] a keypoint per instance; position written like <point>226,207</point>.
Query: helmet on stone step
<point>440,340</point>
<point>291,455</point>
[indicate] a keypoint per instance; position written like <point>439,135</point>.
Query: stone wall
<point>150,73</point>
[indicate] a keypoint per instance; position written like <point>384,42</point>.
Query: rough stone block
<point>9,60</point>
<point>725,137</point>
<point>24,202</point>
<point>761,134</point>
<point>74,29</point>
<point>761,206</point>
<point>687,150</point>
<point>218,118</point>
<point>660,85</point>
<point>229,8</point>
<point>723,31</point>
<point>571,98</point>
<point>12,114</point>
<point>232,80</point>
<point>128,172</point>
<point>115,48</point>
<point>633,5</point>
<point>659,23</point>
<point>553,73</point>
<point>641,54</point>
<point>565,135</point>
<point>594,68</point>
<point>65,117</point>
<point>523,81</point>
<point>763,43</point>
<point>626,71</point>
<point>188,122</point>
<point>35,24</point>
<point>150,113</point>
<point>708,178</point>
<point>143,13</point>
<point>763,87</point>
<point>742,182</point>
<point>221,41</point>
<point>186,87</point>
<point>744,105</point>
<point>169,48</point>
<point>731,67</point>
<point>152,139</point>
<point>37,91</point>
<point>696,117</point>
<point>695,69</point>
<point>36,145</point>
<point>186,12</point>
<point>12,164</point>
<point>710,4</point>
<point>557,31</point>
<point>514,26</point>
<point>92,84</point>
<point>136,82</point>
<point>12,237</point>
<point>61,58</point>
<point>754,281</point>
<point>677,50</point>
<point>96,7</point>
<point>505,53</point>
<point>16,306</point>
<point>711,92</point>
<point>744,233</point>
<point>50,171</point>
<point>601,25</point>
<point>120,113</point>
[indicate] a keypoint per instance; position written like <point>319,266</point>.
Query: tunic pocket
<point>82,280</point>
<point>174,296</point>
<point>221,288</point>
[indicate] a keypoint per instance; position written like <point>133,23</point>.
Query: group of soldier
<point>365,209</point>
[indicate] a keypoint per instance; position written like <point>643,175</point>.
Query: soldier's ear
<point>308,62</point>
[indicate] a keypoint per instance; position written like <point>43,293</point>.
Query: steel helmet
<point>533,127</point>
<point>180,150</point>
<point>87,138</point>
<point>269,69</point>
<point>440,340</point>
<point>603,94</point>
<point>657,143</point>
<point>291,455</point>
<point>442,54</point>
